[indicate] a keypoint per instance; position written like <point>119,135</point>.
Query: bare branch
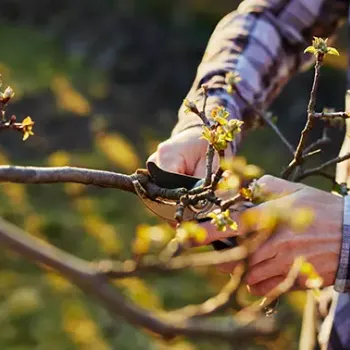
<point>298,156</point>
<point>218,172</point>
<point>327,176</point>
<point>117,269</point>
<point>210,158</point>
<point>318,170</point>
<point>47,175</point>
<point>278,132</point>
<point>230,202</point>
<point>332,115</point>
<point>219,302</point>
<point>318,143</point>
<point>102,178</point>
<point>275,293</point>
<point>90,281</point>
<point>206,95</point>
<point>311,154</point>
<point>268,121</point>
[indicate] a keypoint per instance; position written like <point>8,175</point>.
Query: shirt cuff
<point>342,283</point>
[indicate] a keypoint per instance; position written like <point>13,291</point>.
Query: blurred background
<point>103,81</point>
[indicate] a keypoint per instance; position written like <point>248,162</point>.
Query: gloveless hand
<point>319,244</point>
<point>184,153</point>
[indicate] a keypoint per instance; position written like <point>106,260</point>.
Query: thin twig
<point>230,202</point>
<point>268,121</point>
<point>298,156</point>
<point>323,166</point>
<point>217,303</point>
<point>332,115</point>
<point>327,176</point>
<point>311,154</point>
<point>318,143</point>
<point>90,281</point>
<point>252,310</point>
<point>117,269</point>
<point>278,132</point>
<point>206,95</point>
<point>210,158</point>
<point>219,171</point>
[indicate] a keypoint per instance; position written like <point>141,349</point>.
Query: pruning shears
<point>166,209</point>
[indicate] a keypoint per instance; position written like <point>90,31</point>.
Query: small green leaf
<point>310,49</point>
<point>221,120</point>
<point>332,51</point>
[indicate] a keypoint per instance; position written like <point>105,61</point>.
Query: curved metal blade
<point>164,209</point>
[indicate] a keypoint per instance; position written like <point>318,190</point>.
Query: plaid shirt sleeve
<point>342,283</point>
<point>263,41</point>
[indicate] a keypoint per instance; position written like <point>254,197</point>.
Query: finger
<point>266,286</point>
<point>170,161</point>
<point>200,169</point>
<point>265,251</point>
<point>227,267</point>
<point>276,186</point>
<point>264,271</point>
<point>213,234</point>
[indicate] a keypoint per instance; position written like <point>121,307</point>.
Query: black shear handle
<point>168,179</point>
<point>221,245</point>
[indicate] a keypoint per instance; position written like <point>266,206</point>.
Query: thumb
<point>200,169</point>
<point>169,161</point>
<point>213,234</point>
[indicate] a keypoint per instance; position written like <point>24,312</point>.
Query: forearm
<point>263,42</point>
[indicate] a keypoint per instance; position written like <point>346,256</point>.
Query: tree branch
<point>102,178</point>
<point>268,121</point>
<point>90,281</point>
<point>117,269</point>
<point>47,175</point>
<point>209,168</point>
<point>276,292</point>
<point>217,303</point>
<point>332,115</point>
<point>318,170</point>
<point>298,156</point>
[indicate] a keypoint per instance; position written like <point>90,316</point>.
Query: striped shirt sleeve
<point>342,282</point>
<point>263,41</point>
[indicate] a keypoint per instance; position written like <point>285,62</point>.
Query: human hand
<point>184,153</point>
<point>320,244</point>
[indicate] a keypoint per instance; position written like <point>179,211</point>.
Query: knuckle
<point>267,179</point>
<point>257,290</point>
<point>226,268</point>
<point>252,278</point>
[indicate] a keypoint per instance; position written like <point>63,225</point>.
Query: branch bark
<point>268,121</point>
<point>318,170</point>
<point>115,269</point>
<point>48,175</point>
<point>87,278</point>
<point>298,156</point>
